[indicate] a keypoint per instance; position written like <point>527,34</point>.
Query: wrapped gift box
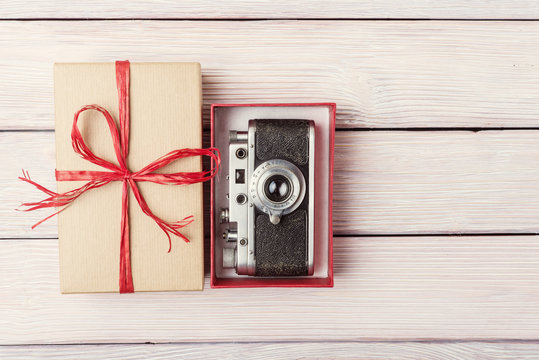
<point>165,112</point>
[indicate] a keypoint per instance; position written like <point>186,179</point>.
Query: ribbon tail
<point>26,178</point>
<point>167,227</point>
<point>56,200</point>
<point>126,276</point>
<point>47,218</point>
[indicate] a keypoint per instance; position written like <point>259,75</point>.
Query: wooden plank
<point>193,9</point>
<point>386,182</point>
<point>395,288</point>
<point>283,351</point>
<point>381,74</point>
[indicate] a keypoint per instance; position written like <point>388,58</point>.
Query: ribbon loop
<point>120,172</point>
<point>80,147</point>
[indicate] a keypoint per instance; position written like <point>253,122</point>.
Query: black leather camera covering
<point>281,249</point>
<point>283,139</point>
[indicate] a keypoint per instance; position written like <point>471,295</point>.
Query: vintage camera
<point>270,230</point>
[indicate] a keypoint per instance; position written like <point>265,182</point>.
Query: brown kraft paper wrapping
<point>165,112</point>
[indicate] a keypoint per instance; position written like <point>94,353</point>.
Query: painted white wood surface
<point>380,73</point>
<point>386,182</point>
<point>391,288</point>
<point>215,9</point>
<point>283,351</point>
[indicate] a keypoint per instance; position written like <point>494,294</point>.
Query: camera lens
<point>277,188</point>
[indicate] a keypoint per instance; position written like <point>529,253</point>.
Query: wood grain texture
<point>283,351</point>
<point>395,288</point>
<point>386,182</point>
<point>195,9</point>
<point>380,73</point>
<point>396,74</point>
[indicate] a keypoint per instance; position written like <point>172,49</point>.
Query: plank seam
<point>411,129</point>
<point>437,235</point>
<point>448,235</point>
<point>382,341</point>
<point>461,128</point>
<point>266,19</point>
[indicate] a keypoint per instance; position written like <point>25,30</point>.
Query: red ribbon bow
<point>120,172</point>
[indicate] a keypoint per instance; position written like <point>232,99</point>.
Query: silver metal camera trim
<point>310,248</point>
<point>257,184</point>
<point>238,212</point>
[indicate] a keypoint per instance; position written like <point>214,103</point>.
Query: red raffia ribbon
<point>120,172</point>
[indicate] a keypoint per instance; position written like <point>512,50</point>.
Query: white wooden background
<point>436,179</point>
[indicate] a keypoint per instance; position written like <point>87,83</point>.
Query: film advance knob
<point>230,235</point>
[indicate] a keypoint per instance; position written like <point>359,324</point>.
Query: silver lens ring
<point>270,169</point>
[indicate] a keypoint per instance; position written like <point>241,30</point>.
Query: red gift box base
<point>325,128</point>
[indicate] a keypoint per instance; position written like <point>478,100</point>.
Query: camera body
<point>271,199</point>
